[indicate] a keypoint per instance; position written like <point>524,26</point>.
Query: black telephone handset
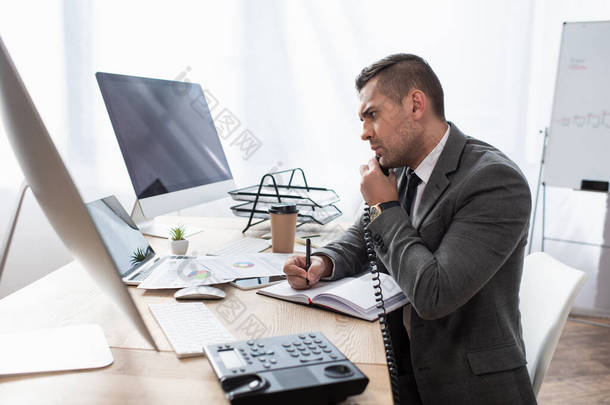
<point>383,169</point>
<point>383,322</point>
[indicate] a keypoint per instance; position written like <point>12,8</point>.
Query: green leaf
<point>138,256</point>
<point>177,233</point>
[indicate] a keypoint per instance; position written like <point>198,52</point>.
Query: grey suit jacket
<point>460,266</point>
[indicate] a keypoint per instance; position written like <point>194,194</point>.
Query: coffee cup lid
<point>283,208</point>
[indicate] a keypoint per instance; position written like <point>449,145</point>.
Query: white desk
<point>139,374</point>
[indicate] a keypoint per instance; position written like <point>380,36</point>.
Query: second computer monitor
<point>169,142</point>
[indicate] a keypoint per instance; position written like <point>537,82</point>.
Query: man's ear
<point>416,102</point>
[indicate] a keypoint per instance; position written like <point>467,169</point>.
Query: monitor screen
<point>165,132</point>
<point>124,241</point>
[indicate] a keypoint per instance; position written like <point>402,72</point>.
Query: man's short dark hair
<point>401,72</point>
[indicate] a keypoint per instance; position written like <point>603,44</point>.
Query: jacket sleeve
<point>347,253</point>
<point>490,220</point>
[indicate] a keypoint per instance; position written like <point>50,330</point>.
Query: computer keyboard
<point>244,245</point>
<point>189,327</point>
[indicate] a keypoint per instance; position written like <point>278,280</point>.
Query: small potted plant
<point>178,244</point>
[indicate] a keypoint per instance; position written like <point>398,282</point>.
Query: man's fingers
<point>315,272</point>
<point>297,276</point>
<point>373,163</point>
<point>293,270</point>
<point>363,169</point>
<point>298,260</point>
<point>297,282</point>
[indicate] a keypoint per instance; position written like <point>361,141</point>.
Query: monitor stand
<point>6,245</point>
<point>73,347</point>
<point>152,227</point>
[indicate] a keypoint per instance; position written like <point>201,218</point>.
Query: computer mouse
<point>200,292</point>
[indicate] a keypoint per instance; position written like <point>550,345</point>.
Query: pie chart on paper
<point>198,274</point>
<point>243,265</point>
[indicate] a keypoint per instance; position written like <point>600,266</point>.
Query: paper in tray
<point>307,214</point>
<point>300,195</point>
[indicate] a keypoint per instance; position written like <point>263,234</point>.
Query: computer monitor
<point>169,143</point>
<point>55,191</point>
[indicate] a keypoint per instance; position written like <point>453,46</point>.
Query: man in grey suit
<point>450,225</point>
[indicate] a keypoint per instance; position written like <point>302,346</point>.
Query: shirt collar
<point>424,170</point>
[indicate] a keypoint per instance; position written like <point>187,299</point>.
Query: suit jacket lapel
<point>447,163</point>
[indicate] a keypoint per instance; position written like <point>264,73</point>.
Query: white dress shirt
<point>424,170</point>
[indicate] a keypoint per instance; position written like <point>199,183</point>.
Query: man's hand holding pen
<point>297,275</point>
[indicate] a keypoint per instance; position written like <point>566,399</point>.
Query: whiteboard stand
<point>586,186</point>
<point>533,226</point>
<point>543,237</point>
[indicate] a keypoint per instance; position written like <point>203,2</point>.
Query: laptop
<point>134,257</point>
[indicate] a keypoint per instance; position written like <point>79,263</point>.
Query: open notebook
<point>353,296</point>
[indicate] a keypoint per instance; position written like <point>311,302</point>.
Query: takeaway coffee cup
<point>283,227</point>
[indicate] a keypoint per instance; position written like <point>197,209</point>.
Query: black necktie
<point>408,197</point>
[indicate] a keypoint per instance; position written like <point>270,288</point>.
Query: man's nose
<point>367,131</point>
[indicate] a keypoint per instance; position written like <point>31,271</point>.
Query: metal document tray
<point>300,195</point>
<point>307,214</point>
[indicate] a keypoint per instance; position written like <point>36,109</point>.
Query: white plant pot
<point>179,247</point>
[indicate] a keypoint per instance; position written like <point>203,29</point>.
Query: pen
<point>307,257</point>
<point>301,241</point>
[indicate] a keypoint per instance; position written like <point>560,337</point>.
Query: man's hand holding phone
<point>375,186</point>
<point>294,268</point>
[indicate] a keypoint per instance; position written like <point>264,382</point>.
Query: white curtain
<point>285,70</point>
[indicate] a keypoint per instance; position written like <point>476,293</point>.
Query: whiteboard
<point>578,146</point>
